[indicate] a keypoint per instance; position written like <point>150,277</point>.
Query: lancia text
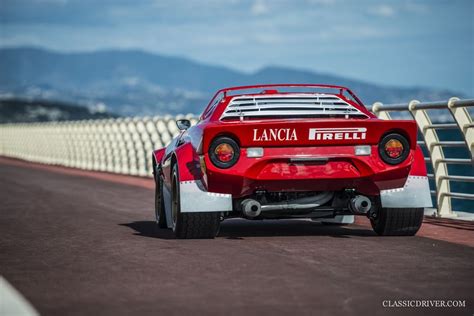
<point>280,134</point>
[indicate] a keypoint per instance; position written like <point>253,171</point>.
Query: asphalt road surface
<point>75,245</point>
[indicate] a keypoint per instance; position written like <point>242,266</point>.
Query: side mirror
<point>183,124</point>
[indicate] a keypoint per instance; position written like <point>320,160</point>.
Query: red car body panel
<point>284,139</point>
<point>276,173</point>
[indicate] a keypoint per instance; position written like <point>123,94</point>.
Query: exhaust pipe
<point>251,208</point>
<point>360,204</point>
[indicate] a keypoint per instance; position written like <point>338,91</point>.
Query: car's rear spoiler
<point>222,93</point>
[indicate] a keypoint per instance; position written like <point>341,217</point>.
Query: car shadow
<point>240,228</point>
<point>149,229</point>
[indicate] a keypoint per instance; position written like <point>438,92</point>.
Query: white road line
<point>12,303</point>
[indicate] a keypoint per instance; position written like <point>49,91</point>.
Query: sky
<point>392,42</point>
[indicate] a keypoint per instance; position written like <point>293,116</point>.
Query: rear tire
<point>398,221</point>
<point>160,214</point>
<point>191,225</point>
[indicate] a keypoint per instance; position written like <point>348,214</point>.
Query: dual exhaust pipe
<point>252,208</point>
<point>360,204</point>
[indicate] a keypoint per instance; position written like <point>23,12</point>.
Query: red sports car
<point>290,151</point>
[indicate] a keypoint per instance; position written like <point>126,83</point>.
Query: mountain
<point>134,82</point>
<point>13,110</point>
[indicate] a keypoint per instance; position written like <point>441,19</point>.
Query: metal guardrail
<point>124,145</point>
<point>462,121</point>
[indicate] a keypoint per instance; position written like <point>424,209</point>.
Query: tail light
<point>394,148</point>
<point>224,152</point>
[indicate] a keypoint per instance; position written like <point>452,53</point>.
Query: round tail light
<point>394,148</point>
<point>224,152</point>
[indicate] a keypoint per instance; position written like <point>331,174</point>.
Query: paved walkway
<point>80,243</point>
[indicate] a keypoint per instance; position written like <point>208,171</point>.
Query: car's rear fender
<point>418,167</point>
<point>187,159</point>
<point>157,156</point>
<point>194,196</point>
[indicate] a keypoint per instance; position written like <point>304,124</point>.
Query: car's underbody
<point>277,205</point>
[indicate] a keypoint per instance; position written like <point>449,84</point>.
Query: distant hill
<point>14,110</point>
<point>137,83</point>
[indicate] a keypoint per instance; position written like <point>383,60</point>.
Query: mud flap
<point>194,198</point>
<point>415,194</point>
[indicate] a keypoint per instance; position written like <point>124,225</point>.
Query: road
<point>79,245</point>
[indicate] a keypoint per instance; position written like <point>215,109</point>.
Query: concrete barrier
<point>122,145</point>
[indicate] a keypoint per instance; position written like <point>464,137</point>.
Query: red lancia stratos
<point>290,151</point>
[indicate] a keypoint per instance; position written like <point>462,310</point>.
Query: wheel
<point>160,214</point>
<point>191,225</point>
<point>398,221</point>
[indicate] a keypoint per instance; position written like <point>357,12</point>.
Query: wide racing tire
<point>191,225</point>
<point>398,221</point>
<point>160,214</point>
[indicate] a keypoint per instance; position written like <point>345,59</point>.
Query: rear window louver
<point>294,106</point>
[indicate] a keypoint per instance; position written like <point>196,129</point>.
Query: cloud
<point>383,10</point>
<point>259,7</point>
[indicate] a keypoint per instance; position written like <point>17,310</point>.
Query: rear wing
<point>284,88</point>
<point>291,105</point>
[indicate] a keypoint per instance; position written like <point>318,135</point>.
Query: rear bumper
<point>339,168</point>
<point>415,193</point>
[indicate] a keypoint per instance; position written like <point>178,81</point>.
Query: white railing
<point>460,120</point>
<point>124,145</point>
